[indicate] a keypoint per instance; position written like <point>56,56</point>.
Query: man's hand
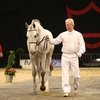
<point>47,38</point>
<point>79,54</point>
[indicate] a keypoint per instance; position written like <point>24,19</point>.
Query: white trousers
<point>69,60</point>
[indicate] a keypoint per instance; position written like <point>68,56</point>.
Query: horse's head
<point>32,37</point>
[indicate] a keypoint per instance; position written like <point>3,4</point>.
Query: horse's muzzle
<point>32,53</point>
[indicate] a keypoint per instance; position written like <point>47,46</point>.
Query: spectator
<point>1,51</point>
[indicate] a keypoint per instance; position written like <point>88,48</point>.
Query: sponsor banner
<point>26,63</point>
<point>56,62</point>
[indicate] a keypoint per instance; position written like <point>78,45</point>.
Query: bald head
<point>69,23</point>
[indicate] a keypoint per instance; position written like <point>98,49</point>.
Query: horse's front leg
<point>42,87</point>
<point>34,81</point>
<point>34,73</point>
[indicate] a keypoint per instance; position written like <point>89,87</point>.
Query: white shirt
<point>72,42</point>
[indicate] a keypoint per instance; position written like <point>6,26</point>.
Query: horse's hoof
<point>42,88</point>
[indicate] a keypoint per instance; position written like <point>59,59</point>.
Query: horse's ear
<point>26,25</point>
<point>34,25</point>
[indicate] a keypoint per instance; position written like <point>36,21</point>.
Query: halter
<point>31,30</point>
<point>38,43</point>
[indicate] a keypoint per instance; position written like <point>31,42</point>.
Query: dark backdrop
<point>51,13</point>
<point>14,14</point>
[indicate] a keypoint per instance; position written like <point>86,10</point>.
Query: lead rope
<point>44,38</point>
<point>45,45</point>
<point>45,42</point>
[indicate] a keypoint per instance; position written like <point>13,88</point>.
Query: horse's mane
<point>37,24</point>
<point>36,20</point>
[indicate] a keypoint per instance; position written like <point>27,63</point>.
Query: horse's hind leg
<point>48,64</point>
<point>47,73</point>
<point>34,81</point>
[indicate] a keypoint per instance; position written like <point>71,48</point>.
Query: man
<point>73,46</point>
<point>1,52</point>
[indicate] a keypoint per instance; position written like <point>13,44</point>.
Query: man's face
<point>69,26</point>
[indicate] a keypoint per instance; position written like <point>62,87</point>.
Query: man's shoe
<point>75,91</point>
<point>66,94</point>
<point>76,84</point>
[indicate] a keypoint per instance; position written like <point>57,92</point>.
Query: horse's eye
<point>35,36</point>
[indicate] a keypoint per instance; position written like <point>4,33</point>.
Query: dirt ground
<point>21,87</point>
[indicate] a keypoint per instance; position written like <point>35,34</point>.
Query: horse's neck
<point>41,31</point>
<point>38,26</point>
<point>41,34</point>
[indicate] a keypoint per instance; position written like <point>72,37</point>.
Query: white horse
<point>40,52</point>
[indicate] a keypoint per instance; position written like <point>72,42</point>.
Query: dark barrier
<point>87,60</point>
